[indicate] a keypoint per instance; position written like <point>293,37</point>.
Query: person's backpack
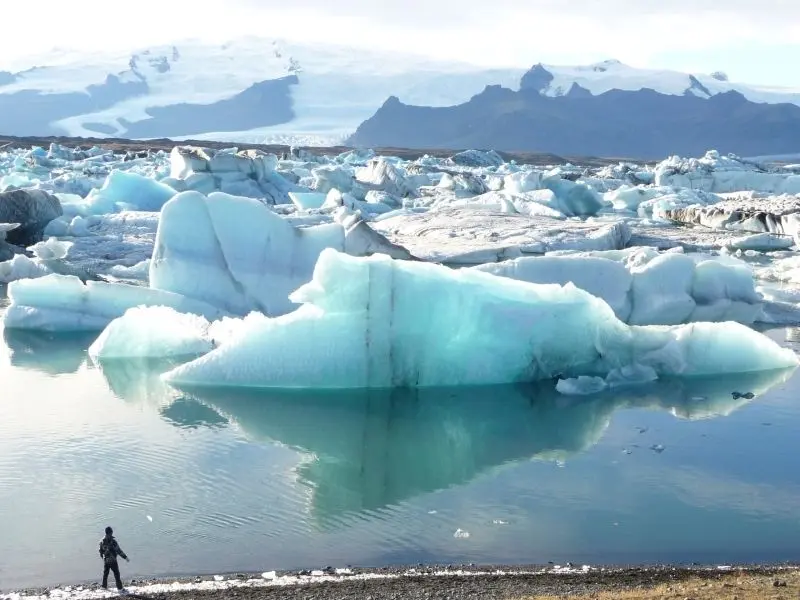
<point>109,550</point>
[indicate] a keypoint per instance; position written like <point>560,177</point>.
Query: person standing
<point>109,550</point>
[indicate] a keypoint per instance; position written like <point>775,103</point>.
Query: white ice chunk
<point>522,181</point>
<point>140,271</point>
<point>361,326</point>
<point>152,332</point>
<point>629,198</point>
<point>21,267</point>
<point>764,242</point>
<point>79,226</point>
<point>307,200</point>
<point>51,249</point>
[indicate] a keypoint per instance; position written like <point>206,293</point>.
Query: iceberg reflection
<point>49,353</point>
<point>139,380</point>
<point>372,449</point>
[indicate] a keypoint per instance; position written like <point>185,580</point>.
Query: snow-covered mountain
<point>264,90</point>
<point>605,109</point>
<point>602,77</point>
<point>250,90</point>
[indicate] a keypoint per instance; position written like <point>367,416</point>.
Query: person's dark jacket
<point>109,550</point>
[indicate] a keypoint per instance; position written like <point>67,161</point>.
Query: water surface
<point>679,471</point>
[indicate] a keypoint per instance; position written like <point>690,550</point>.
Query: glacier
<point>475,329</point>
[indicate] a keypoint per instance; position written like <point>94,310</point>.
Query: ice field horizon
<point>250,362</point>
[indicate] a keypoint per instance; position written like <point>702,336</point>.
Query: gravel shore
<point>461,583</point>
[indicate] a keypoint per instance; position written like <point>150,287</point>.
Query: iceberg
<point>127,191</point>
<point>476,235</point>
<point>381,323</point>
<point>723,174</point>
<point>63,303</point>
<point>646,288</point>
<point>249,173</point>
<point>237,254</point>
<point>778,215</point>
<point>601,277</point>
<point>573,198</point>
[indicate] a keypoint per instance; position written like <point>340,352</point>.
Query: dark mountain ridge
<point>641,123</point>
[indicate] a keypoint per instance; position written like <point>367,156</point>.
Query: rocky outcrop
<point>31,210</point>
<point>476,158</point>
<point>6,251</point>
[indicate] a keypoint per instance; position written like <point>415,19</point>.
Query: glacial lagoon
<point>216,481</point>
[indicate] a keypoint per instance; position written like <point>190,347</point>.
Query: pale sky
<point>754,42</point>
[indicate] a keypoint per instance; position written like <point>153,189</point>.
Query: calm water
<point>679,472</point>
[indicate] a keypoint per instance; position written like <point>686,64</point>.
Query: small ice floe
<point>219,578</point>
<point>317,573</point>
<point>149,518</point>
<point>269,575</point>
<point>345,571</point>
<point>657,448</point>
<point>571,568</point>
<point>432,512</point>
<point>461,534</point>
<point>581,386</point>
<point>499,522</point>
